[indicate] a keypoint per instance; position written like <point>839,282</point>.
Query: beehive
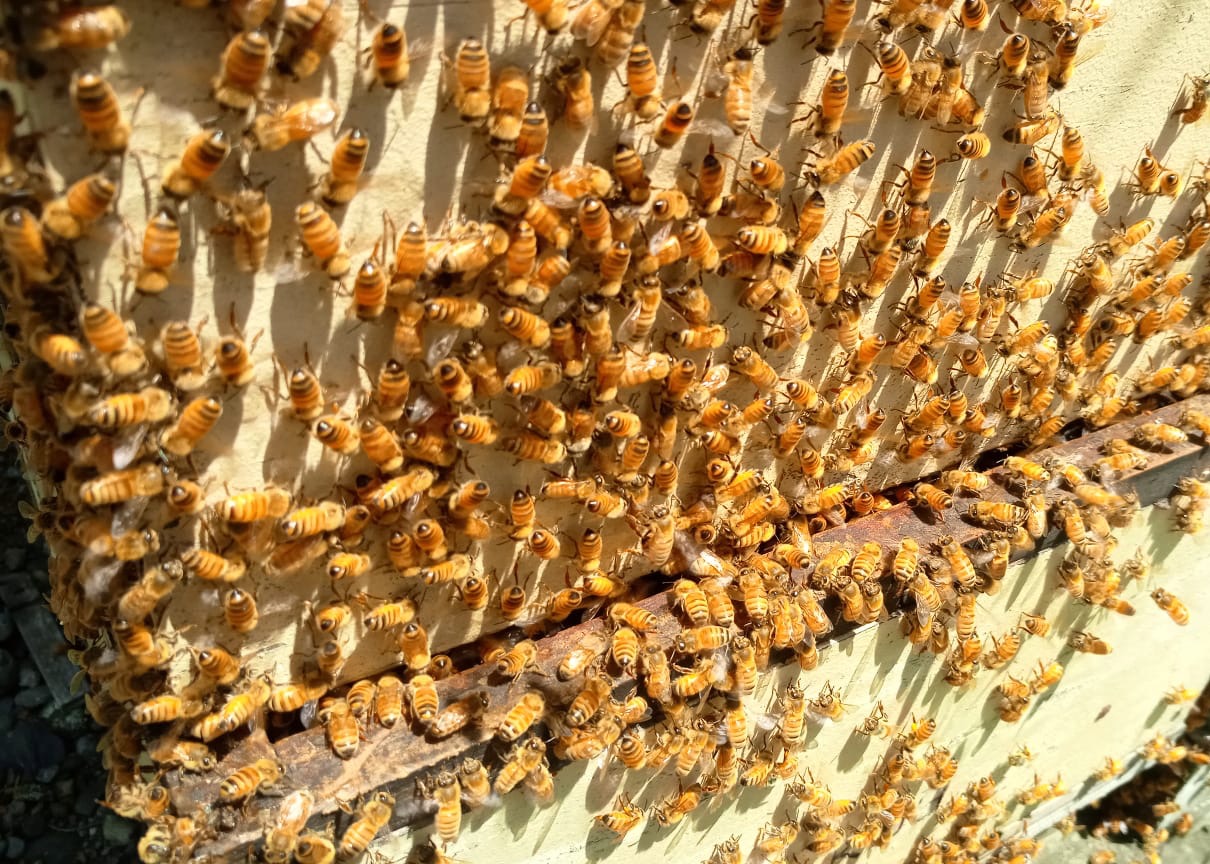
<point>164,84</point>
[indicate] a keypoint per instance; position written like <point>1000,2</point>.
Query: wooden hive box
<point>1018,326</point>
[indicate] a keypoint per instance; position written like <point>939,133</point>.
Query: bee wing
<point>713,127</point>
<point>98,579</point>
<point>707,563</point>
<point>289,270</point>
<point>714,85</point>
<point>127,446</point>
<point>626,212</point>
<point>558,199</point>
<point>715,378</point>
<point>308,712</point>
<point>720,664</point>
<point>412,506</point>
<point>967,339</point>
<point>129,516</point>
<point>420,47</point>
<point>764,721</point>
<point>591,22</point>
<point>627,328</point>
<point>763,95</point>
<point>421,409</point>
<point>440,347</point>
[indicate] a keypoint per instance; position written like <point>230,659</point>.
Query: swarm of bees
<point>576,341</point>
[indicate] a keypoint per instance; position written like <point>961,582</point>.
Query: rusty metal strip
<point>394,759</point>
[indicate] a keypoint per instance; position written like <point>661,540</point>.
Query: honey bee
<point>282,838</point>
<point>846,160</point>
<point>189,755</point>
<point>195,420</point>
<point>673,809</point>
<point>375,814</point>
<point>314,849</point>
<point>446,791</point>
<point>674,125</point>
<point>297,122</point>
<point>84,202</point>
<point>140,644</point>
<point>83,28</point>
<point>245,782</point>
<point>156,583</point>
<point>618,32</point>
<point>524,758</point>
<point>517,659</point>
<point>96,104</point>
<point>737,98</point>
<point>239,610</point>
<point>458,715</point>
<point>115,487</point>
<point>1030,131</point>
<point>22,239</point>
<point>321,236</point>
<point>313,36</point>
<point>1176,610</point>
<point>1199,96</point>
<point>1159,435</point>
<point>389,55</point>
<point>163,709</point>
<point>574,82</point>
<point>348,160</point>
<point>827,704</point>
<point>244,63</point>
<point>624,818</point>
<point>1086,642</point>
<point>250,217</point>
<point>524,714</point>
<point>935,499</point>
<point>836,17</point>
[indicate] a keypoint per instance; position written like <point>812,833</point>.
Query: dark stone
<point>85,803</point>
<point>14,849</point>
<point>30,747</point>
<point>14,558</point>
<point>69,719</point>
<point>8,672</point>
<point>55,847</point>
<point>28,676</point>
<point>35,697</point>
<point>116,830</point>
<point>6,625</point>
<point>34,825</point>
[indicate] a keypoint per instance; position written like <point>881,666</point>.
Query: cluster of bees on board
<point>580,328</point>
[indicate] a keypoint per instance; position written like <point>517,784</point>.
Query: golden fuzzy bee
<point>247,781</point>
<point>298,122</point>
<point>624,818</point>
<point>374,815</point>
<point>83,203</point>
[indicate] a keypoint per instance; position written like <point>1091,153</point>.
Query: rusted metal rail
<point>394,759</point>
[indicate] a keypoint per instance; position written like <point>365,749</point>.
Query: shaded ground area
<point>51,770</point>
